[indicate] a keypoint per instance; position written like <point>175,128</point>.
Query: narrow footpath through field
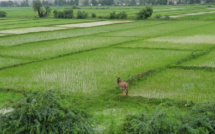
<point>199,13</point>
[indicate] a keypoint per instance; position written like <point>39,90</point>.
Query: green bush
<point>145,13</point>
<point>93,15</point>
<point>42,114</point>
<point>167,17</point>
<point>82,15</point>
<point>112,15</point>
<point>3,14</point>
<point>158,16</point>
<point>67,13</point>
<point>199,119</point>
<point>121,15</point>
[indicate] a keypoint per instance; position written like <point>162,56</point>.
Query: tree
<point>3,14</point>
<point>37,7</point>
<point>85,3</point>
<point>145,13</point>
<point>107,2</point>
<point>47,11</point>
<point>133,3</point>
<point>94,3</point>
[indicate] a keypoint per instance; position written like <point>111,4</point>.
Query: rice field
<point>164,61</point>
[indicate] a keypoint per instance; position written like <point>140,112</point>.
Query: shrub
<point>75,7</point>
<point>148,124</point>
<point>199,119</point>
<point>112,15</point>
<point>42,114</point>
<point>93,15</point>
<point>3,14</point>
<point>158,16</point>
<point>167,17</point>
<point>67,13</point>
<point>81,15</point>
<point>145,13</point>
<point>121,15</point>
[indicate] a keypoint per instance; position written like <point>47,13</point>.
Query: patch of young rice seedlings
<point>31,30</point>
<point>202,30</point>
<point>164,45</point>
<point>48,49</point>
<point>179,84</point>
<point>90,72</point>
<point>34,37</point>
<point>197,39</point>
<point>158,30</point>
<point>4,61</point>
<point>207,60</point>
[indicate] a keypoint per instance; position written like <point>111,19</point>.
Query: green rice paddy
<point>164,61</point>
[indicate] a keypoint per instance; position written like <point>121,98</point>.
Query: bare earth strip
<point>168,9</point>
<point>92,24</point>
<point>59,27</point>
<point>30,30</point>
<point>199,13</point>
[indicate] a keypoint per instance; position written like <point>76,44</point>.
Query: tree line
<point>26,3</point>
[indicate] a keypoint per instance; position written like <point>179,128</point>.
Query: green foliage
<point>37,7</point>
<point>132,3</point>
<point>199,119</point>
<point>3,14</point>
<point>107,2</point>
<point>94,3</point>
<point>145,13</point>
<point>158,16</point>
<point>85,2</point>
<point>149,124</point>
<point>82,15</point>
<point>166,17</point>
<point>67,13</point>
<point>47,11</point>
<point>44,113</point>
<point>210,1</point>
<point>112,15</point>
<point>121,15</point>
<point>93,15</point>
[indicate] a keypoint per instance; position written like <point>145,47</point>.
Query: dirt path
<point>199,13</point>
<point>92,24</point>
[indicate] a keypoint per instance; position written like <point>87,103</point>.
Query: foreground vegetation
<point>169,65</point>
